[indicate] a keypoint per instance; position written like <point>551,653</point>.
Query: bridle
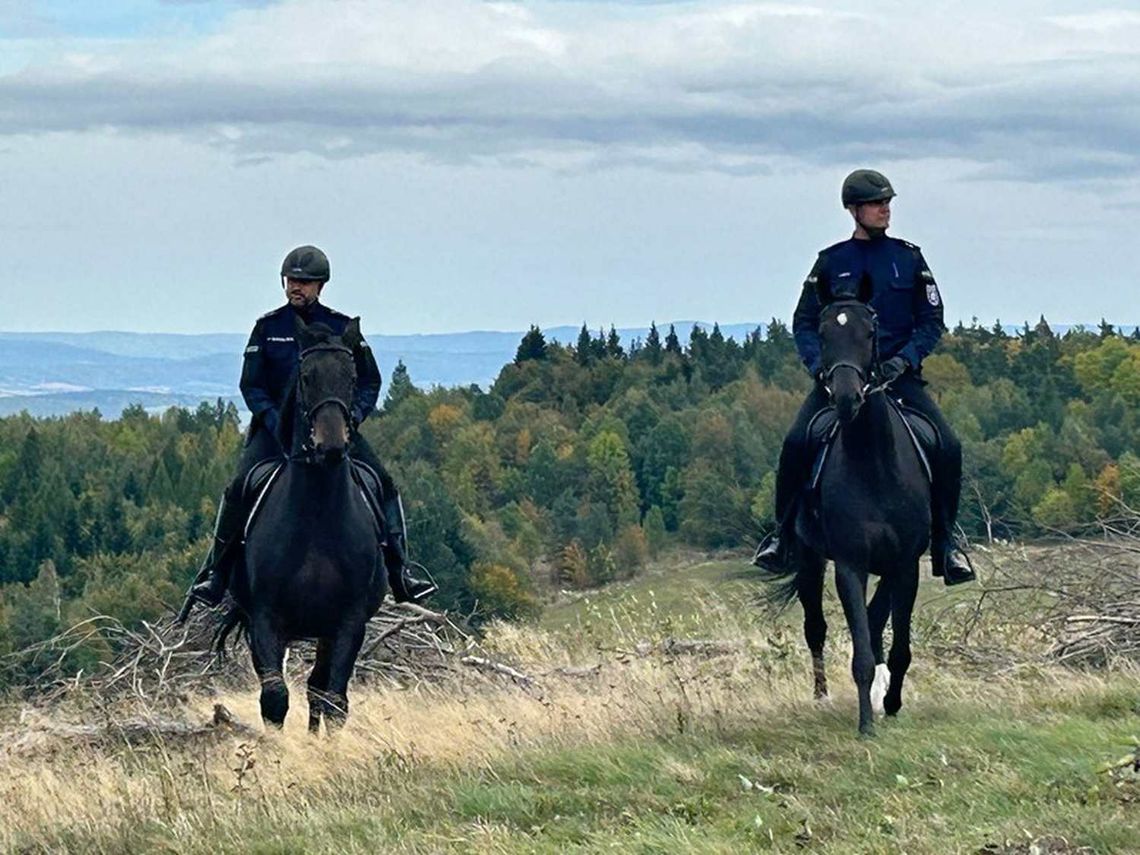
<point>868,386</point>
<point>345,406</point>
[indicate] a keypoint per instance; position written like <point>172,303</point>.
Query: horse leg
<point>809,587</point>
<point>268,649</point>
<point>852,586</point>
<point>342,658</point>
<point>877,612</point>
<point>318,684</point>
<point>902,608</point>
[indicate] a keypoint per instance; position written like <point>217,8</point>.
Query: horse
<point>871,514</point>
<point>313,567</point>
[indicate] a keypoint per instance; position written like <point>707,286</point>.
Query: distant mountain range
<point>49,374</point>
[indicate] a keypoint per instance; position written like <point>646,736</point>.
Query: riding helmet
<point>306,263</point>
<point>866,185</point>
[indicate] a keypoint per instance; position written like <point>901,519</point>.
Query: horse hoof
<point>892,706</point>
<point>867,731</point>
<point>879,687</point>
<point>824,701</point>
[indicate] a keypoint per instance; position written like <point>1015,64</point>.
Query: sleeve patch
<point>932,295</point>
<point>253,348</point>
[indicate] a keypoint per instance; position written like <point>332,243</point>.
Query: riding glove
<point>894,368</point>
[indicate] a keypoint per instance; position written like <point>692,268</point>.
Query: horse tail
<point>235,618</point>
<point>781,587</point>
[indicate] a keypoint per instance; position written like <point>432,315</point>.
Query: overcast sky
<point>489,165</point>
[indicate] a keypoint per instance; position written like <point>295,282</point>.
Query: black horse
<point>313,567</point>
<point>870,514</point>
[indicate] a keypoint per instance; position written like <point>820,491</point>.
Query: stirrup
<point>769,553</point>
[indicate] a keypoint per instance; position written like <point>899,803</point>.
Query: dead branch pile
<point>161,661</point>
<point>1076,603</point>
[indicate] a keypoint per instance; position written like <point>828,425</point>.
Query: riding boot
<point>213,577</point>
<point>406,586</point>
<point>950,561</point>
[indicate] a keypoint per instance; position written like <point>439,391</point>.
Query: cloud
<point>740,88</point>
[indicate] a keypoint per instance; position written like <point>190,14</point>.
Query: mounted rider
<point>906,299</point>
<point>269,368</point>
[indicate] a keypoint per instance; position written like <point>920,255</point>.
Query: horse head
<point>848,331</point>
<point>326,385</point>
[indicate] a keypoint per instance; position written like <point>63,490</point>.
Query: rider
<point>909,307</point>
<point>269,366</point>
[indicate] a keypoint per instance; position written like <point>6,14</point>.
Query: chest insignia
<point>279,338</point>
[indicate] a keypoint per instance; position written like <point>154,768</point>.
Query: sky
<point>489,165</point>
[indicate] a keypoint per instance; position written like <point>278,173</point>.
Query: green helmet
<point>306,263</point>
<point>866,185</point>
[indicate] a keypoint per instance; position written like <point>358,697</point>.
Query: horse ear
<point>352,336</point>
<point>301,332</point>
<point>866,288</point>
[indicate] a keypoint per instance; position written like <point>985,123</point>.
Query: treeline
<point>572,469</point>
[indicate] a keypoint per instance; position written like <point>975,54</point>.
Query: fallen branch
<point>497,668</point>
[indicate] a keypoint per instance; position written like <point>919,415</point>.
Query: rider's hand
<point>894,368</point>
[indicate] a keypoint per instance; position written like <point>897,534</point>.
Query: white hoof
<point>879,687</point>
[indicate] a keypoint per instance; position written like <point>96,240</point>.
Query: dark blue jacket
<point>272,355</point>
<point>904,294</point>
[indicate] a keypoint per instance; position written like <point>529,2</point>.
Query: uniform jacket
<point>272,356</point>
<point>904,295</point>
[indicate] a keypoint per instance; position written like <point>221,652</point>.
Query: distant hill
<point>54,373</point>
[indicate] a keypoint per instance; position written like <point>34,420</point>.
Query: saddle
<point>261,478</point>
<point>824,426</point>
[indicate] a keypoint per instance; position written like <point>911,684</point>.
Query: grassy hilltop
<point>619,745</point>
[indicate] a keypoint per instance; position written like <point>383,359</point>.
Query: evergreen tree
<point>672,343</point>
<point>653,345</point>
<point>400,387</point>
<point>532,346</point>
<point>613,345</point>
<point>584,351</point>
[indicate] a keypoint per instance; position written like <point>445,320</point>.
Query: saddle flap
<point>257,485</point>
<point>923,434</point>
<point>372,488</point>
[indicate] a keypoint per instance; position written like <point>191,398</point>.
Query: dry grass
<point>201,794</point>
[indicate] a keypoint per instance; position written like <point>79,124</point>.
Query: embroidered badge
<point>932,294</point>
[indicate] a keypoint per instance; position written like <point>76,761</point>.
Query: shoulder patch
<point>932,295</point>
<point>253,348</point>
